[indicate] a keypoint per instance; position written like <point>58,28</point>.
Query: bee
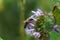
<point>26,23</point>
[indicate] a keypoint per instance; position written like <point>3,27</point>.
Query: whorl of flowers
<point>30,27</point>
<point>46,21</point>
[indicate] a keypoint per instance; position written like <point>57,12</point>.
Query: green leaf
<point>54,36</point>
<point>57,15</point>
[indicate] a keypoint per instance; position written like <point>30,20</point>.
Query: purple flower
<point>38,12</point>
<point>36,34</point>
<point>30,31</point>
<point>55,28</point>
<point>30,26</point>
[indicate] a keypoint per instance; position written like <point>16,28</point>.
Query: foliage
<point>1,38</point>
<point>9,16</point>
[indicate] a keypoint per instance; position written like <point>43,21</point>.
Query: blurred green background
<point>11,11</point>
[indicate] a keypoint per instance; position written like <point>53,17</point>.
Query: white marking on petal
<point>33,12</point>
<point>31,24</point>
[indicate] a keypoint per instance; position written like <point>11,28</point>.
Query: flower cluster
<point>44,24</point>
<point>30,26</point>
